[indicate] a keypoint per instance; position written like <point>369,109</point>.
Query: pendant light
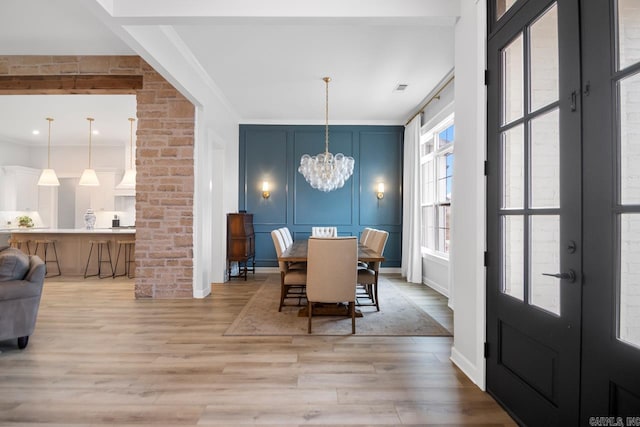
<point>89,177</point>
<point>129,179</point>
<point>325,171</point>
<point>48,176</point>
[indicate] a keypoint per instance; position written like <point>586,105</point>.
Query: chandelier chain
<point>326,116</point>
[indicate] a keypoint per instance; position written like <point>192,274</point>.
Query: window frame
<point>439,152</point>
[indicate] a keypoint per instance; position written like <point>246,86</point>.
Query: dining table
<point>298,251</point>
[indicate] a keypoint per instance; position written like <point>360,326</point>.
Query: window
<point>436,168</point>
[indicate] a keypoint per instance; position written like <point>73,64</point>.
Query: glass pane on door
<point>545,160</point>
<point>629,89</point>
<point>545,258</point>
<point>629,300</point>
<point>628,33</point>
<point>512,81</point>
<point>512,152</point>
<point>513,256</point>
<point>502,6</point>
<point>544,59</point>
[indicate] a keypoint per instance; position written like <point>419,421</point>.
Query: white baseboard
<point>390,270</point>
<point>202,293</point>
<point>436,287</point>
<point>474,373</point>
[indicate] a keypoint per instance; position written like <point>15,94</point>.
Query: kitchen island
<point>73,245</point>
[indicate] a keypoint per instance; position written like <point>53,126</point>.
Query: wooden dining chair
<point>332,273</point>
<point>368,277</point>
<point>292,280</point>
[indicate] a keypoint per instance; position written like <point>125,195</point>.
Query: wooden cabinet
<point>241,244</point>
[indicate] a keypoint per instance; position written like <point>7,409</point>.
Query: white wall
<point>468,204</point>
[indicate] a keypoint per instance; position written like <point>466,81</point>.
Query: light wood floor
<point>99,357</point>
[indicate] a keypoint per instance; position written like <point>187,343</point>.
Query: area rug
<point>398,316</point>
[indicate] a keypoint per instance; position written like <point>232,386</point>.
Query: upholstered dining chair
<point>332,273</point>
<point>324,231</point>
<point>288,238</point>
<point>292,281</point>
<point>365,235</point>
<point>287,241</point>
<point>368,277</point>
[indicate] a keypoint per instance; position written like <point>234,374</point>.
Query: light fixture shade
<point>128,180</point>
<point>48,178</point>
<point>89,178</point>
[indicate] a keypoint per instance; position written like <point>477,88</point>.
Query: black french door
<point>534,210</point>
<point>563,185</point>
<point>611,123</point>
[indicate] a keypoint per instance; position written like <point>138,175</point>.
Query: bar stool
<point>17,242</point>
<point>45,243</point>
<point>128,247</point>
<point>101,244</point>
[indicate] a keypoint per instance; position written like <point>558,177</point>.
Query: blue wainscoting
<point>272,153</point>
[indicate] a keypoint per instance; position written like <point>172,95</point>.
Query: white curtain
<point>411,255</point>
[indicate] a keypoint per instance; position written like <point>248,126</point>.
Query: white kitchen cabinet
<point>19,188</point>
<point>102,197</point>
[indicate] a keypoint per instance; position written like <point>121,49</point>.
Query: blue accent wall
<point>272,153</point>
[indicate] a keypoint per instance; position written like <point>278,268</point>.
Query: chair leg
<point>375,293</point>
<point>283,291</point>
<point>352,308</point>
<point>86,268</point>
<point>309,315</point>
<point>115,268</point>
<point>110,262</point>
<point>55,252</point>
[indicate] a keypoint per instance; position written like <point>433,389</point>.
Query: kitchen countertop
<point>122,230</point>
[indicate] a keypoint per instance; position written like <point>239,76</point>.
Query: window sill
<point>435,257</point>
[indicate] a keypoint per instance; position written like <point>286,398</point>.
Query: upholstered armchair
<point>21,282</point>
<point>332,273</point>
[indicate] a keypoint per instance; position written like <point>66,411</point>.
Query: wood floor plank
<point>100,357</point>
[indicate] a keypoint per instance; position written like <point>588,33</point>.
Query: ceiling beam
<point>60,84</point>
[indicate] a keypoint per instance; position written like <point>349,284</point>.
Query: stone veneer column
<point>164,163</point>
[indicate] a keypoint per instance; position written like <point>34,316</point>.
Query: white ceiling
<point>267,57</point>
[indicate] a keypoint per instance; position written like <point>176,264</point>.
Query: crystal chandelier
<point>325,171</point>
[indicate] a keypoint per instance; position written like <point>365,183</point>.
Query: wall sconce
<point>265,189</point>
<point>380,193</point>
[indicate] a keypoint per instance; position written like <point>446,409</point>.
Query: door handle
<point>570,276</point>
